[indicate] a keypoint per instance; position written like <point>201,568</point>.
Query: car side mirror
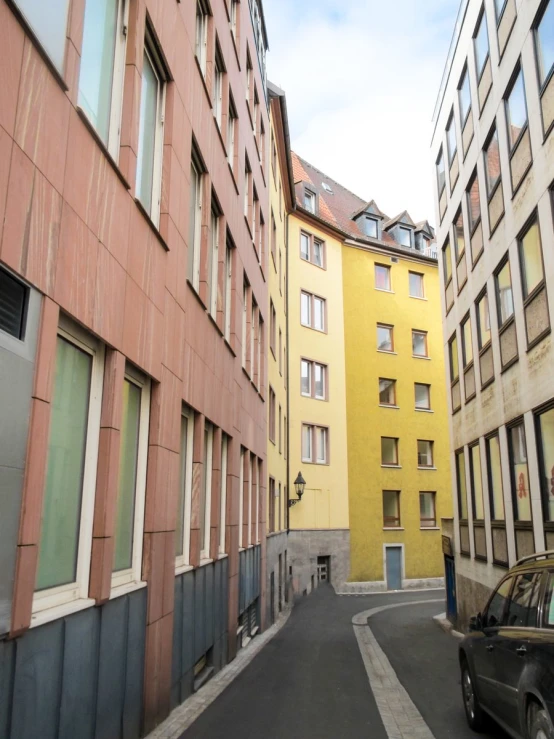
<point>476,623</point>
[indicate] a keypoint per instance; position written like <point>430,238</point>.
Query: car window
<point>497,604</point>
<point>522,609</point>
<point>548,612</point>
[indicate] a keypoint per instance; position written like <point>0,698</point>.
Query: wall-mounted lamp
<point>299,485</point>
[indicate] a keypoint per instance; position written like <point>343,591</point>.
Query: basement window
<point>13,301</point>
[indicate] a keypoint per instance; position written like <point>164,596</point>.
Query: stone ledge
<point>441,620</point>
<point>380,586</point>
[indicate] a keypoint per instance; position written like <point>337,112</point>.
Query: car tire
<point>541,727</point>
<point>474,713</point>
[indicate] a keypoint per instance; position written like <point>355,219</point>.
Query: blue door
<point>394,568</point>
<point>451,605</point>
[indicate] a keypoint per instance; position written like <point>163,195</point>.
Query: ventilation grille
<point>394,260</point>
<point>13,296</point>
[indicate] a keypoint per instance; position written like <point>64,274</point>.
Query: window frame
<point>483,295</point>
<point>183,560</point>
<point>430,453</point>
<point>312,241</point>
<point>391,330</point>
<point>428,386</point>
<point>421,275</point>
<point>503,324</point>
<point>473,224</point>
<point>397,520</point>
<point>209,429</point>
<point>194,257</point>
<point>223,492</point>
<point>396,455</point>
<point>38,41</point>
<point>492,507</point>
<point>70,593</point>
<point>201,40</point>
<point>393,385</point>
<point>482,17</point>
<point>528,295</point>
<point>464,76</point>
<point>433,495</point>
<point>491,190</point>
<point>388,272</point>
<point>440,187</point>
<point>424,334</point>
<point>466,362</point>
<point>311,197</point>
<point>545,75</point>
<point>451,128</point>
<point>517,73</point>
<point>313,429</point>
<point>312,297</point>
<point>518,522</point>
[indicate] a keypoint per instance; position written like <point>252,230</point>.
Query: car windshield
<point>497,604</point>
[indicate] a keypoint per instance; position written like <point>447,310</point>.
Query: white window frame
<point>132,576</point>
<point>208,476</point>
<point>35,28</point>
<point>309,201</point>
<point>228,288</point>
<point>233,21</point>
<point>244,322</point>
<point>321,432</point>
<point>201,35</point>
<point>421,277</point>
<point>217,101</point>
<point>250,491</point>
<point>307,295</point>
<point>307,458</point>
<point>150,52</point>
<point>118,80</point>
<point>323,306</point>
<point>231,131</point>
<point>223,492</point>
<point>183,560</point>
<point>214,282</point>
<point>70,594</point>
<point>241,497</point>
<point>198,197</point>
<point>309,366</point>
<point>314,431</point>
<point>324,380</point>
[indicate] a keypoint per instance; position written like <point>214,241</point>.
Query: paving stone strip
<point>184,715</point>
<point>400,716</point>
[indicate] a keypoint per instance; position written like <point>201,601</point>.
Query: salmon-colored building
<point>133,292</point>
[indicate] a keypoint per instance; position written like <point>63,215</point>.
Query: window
<point>441,176</point>
<point>520,473</point>
<point>201,43</point>
<point>464,96</point>
<point>389,451</point>
<point>272,329</point>
<point>419,344</point>
<point>48,21</point>
<point>473,203</point>
<point>247,188</point>
<point>132,479</point>
<point>312,249</point>
<point>476,482</point>
<point>249,80</point>
<point>424,453</point>
<point>548,610</point>
<point>453,356</point>
<point>422,396</point>
<point>13,301</point>
<point>195,225</point>
<point>280,352</point>
<point>371,228</point>
<point>524,601</point>
<point>492,163</point>
<point>150,142</point>
<point>494,614</point>
<point>385,339</point>
<point>313,379</point>
<point>459,237</point>
<point>273,155</point>
<point>467,345</point>
<point>318,253</point>
<point>69,488</point>
<point>255,209</point>
<point>234,18</point>
<point>481,45</point>
<point>217,85</point>
<point>387,391</point>
<point>499,6</point>
<point>405,235</point>
<point>102,68</point>
<point>223,491</point>
<point>544,40</point>
<point>184,501</point>
<point>483,321</point>
<point>241,497</point>
<point>309,201</point>
<point>451,144</point>
<point>530,258</point>
<point>231,131</point>
<point>447,263</point>
<point>516,110</point>
<point>315,441</point>
<point>391,509</point>
<point>495,479</point>
<point>213,259</point>
<point>416,285</point>
<point>427,511</point>
<point>504,294</point>
<point>545,434</point>
<point>228,284</point>
<point>312,311</point>
<point>245,289</point>
<point>271,505</point>
<point>382,277</point>
<point>206,492</point>
<point>461,482</point>
<point>280,430</point>
<point>272,419</point>
<point>305,246</point>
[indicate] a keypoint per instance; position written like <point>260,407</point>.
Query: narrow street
<point>310,681</point>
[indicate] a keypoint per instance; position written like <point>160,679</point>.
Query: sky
<point>361,79</point>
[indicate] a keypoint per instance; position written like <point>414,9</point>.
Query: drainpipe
<point>287,369</point>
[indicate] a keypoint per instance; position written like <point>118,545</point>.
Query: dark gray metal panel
<point>7,662</point>
<point>37,684</point>
<point>187,661</point>
<point>209,609</point>
<point>199,613</point>
<point>111,672</point>
<point>225,597</point>
<point>218,606</point>
<point>80,670</point>
<point>134,677</point>
<point>187,682</point>
<point>11,486</point>
<point>177,650</point>
<point>242,580</point>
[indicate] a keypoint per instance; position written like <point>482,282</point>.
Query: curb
<point>441,621</point>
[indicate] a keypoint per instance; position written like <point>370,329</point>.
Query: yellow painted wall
<point>325,501</point>
<point>276,459</point>
<point>364,307</point>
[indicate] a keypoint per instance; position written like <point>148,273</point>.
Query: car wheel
<point>541,728</point>
<point>474,712</point>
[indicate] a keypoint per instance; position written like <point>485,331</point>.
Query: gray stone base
<point>306,545</point>
<point>472,597</point>
<point>277,545</point>
<point>380,586</point>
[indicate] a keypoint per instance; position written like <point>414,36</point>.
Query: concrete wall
<point>17,370</point>
<point>304,547</point>
<point>277,546</point>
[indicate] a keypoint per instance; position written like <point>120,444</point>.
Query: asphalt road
<point>309,682</point>
<point>425,660</point>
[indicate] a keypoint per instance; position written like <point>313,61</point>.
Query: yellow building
<point>368,414</point>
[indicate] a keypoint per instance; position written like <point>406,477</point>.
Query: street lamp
<point>299,485</point>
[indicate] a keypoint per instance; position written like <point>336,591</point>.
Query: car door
<point>513,646</point>
<point>484,644</point>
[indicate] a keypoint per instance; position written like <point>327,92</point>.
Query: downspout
<point>287,365</point>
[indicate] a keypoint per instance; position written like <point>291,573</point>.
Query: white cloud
<point>361,78</point>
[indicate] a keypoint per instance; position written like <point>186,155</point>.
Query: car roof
<point>533,565</point>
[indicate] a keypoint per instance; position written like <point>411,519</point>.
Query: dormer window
<point>309,201</point>
<point>371,227</point>
<point>405,236</point>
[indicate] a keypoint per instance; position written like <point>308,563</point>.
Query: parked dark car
<point>507,659</point>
